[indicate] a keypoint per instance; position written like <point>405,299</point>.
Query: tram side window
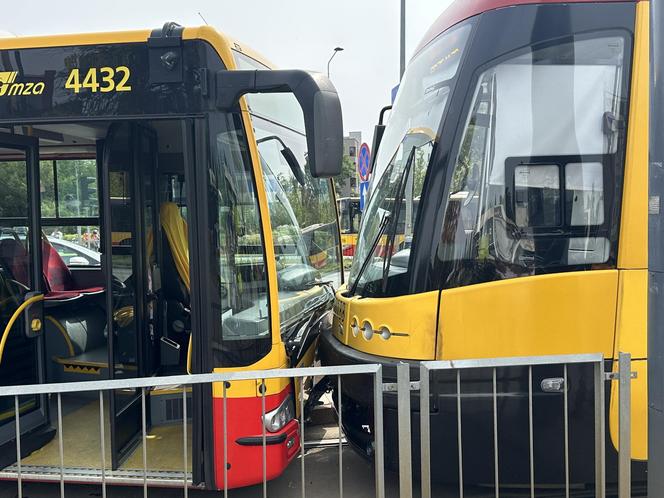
<point>535,184</point>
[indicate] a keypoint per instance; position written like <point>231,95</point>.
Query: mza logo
<point>9,86</point>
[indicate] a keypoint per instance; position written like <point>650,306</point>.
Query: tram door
<point>21,360</point>
<point>129,170</point>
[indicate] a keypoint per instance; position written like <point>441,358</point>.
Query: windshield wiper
<point>385,220</point>
<point>392,235</point>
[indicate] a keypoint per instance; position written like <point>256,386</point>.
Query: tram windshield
<point>402,162</point>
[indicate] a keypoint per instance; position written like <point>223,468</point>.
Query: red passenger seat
<point>58,279</point>
<point>14,258</point>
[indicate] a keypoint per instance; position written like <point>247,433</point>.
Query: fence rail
<point>402,388</point>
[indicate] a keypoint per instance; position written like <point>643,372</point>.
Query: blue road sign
<point>363,162</point>
<point>364,194</point>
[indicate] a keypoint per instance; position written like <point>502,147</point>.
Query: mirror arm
<point>314,92</point>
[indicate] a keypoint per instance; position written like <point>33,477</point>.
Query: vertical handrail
<point>379,449</point>
<point>624,425</point>
<point>425,433</point>
<point>403,415</point>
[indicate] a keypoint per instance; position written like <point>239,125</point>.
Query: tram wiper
<point>392,235</point>
<point>384,221</point>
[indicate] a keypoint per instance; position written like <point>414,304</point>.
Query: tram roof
<point>461,10</point>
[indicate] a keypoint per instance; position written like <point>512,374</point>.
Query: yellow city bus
<point>207,177</point>
<point>349,217</point>
<point>530,237</point>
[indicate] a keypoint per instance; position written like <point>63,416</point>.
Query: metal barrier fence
<point>107,476</point>
<point>623,376</point>
<point>403,387</point>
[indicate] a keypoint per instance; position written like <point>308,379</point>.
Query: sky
<point>291,33</point>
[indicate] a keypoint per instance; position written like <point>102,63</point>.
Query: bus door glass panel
<point>127,153</point>
<point>534,186</point>
<point>20,363</point>
<point>303,220</point>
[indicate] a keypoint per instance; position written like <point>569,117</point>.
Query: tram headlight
<point>354,327</point>
<point>367,330</point>
<point>276,419</point>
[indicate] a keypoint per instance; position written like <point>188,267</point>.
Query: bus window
<point>69,196</point>
<point>245,320</point>
<point>303,220</point>
<point>532,187</point>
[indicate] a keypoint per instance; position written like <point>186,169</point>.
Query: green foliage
<point>14,192</point>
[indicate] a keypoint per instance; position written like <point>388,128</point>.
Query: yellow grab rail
<point>13,319</point>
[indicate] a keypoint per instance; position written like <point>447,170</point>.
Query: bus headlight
<point>275,420</point>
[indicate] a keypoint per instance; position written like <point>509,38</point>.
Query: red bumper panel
<point>245,441</point>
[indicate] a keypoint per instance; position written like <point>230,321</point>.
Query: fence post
<point>379,456</point>
<point>624,425</point>
<point>403,414</point>
<point>425,433</point>
<point>600,428</point>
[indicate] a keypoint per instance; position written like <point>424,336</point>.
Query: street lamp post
<point>336,49</point>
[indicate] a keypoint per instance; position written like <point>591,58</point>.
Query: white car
<point>74,254</point>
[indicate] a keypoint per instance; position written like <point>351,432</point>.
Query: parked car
<point>74,254</point>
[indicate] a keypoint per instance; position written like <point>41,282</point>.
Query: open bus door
<point>21,358</point>
<point>128,172</point>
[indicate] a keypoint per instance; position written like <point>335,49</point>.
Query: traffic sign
<point>363,162</point>
<point>364,194</point>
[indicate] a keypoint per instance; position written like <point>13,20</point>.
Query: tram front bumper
<point>477,434</point>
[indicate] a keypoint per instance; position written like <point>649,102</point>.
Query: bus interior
<point>114,250</point>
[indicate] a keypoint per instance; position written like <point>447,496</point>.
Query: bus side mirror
<point>319,102</point>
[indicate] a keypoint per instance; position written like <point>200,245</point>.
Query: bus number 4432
<point>103,79</point>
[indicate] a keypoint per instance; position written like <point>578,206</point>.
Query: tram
<point>522,128</point>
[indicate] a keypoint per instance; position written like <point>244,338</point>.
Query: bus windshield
<point>409,137</point>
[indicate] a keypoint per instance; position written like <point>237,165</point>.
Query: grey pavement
<point>321,473</point>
